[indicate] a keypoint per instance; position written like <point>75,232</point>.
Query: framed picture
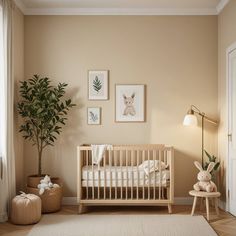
<point>130,103</point>
<point>98,85</point>
<point>94,115</point>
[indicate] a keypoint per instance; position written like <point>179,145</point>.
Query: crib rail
<point>121,178</point>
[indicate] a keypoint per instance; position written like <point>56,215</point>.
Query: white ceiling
<point>123,7</point>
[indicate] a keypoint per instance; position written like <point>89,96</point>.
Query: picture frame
<point>130,103</point>
<point>98,85</point>
<point>94,115</point>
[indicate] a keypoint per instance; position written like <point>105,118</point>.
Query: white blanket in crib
<point>152,166</point>
<point>98,152</point>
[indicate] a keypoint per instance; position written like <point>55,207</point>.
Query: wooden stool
<point>205,195</point>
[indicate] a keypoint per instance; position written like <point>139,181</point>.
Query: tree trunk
<point>40,163</point>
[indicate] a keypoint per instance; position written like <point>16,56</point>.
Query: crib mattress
<point>122,177</point>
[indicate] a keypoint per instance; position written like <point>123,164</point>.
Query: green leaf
<point>208,155</point>
<point>97,84</point>
<point>217,165</point>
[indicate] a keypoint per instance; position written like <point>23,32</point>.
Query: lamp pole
<point>194,109</point>
<point>190,119</point>
<point>202,141</point>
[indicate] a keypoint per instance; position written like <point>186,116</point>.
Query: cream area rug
<point>122,225</point>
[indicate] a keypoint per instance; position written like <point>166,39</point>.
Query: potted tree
<point>44,112</point>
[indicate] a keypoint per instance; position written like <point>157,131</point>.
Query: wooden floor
<point>224,225</point>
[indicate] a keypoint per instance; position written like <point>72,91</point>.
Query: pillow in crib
<point>152,165</point>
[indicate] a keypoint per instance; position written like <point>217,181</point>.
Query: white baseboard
<point>178,201</point>
<point>3,217</point>
<point>222,205</point>
<point>69,201</point>
<point>183,201</point>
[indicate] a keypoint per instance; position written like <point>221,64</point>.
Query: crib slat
<point>171,151</point>
<point>137,164</point>
<point>126,164</point>
<point>160,174</point>
<point>149,179</point>
<point>166,163</point>
<point>109,159</point>
<point>87,179</point>
<point>168,188</point>
<point>115,163</point>
<point>92,180</point>
<point>121,172</point>
<point>143,159</point>
<point>165,157</point>
<point>132,174</point>
<point>80,165</point>
<point>104,176</point>
<point>99,181</point>
<point>154,184</point>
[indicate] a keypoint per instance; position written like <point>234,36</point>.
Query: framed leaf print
<point>98,85</point>
<point>94,115</point>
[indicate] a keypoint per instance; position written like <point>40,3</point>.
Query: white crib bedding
<point>117,177</point>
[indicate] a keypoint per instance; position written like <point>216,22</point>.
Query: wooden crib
<point>120,178</point>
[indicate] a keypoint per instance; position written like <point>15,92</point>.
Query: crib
<point>125,176</point>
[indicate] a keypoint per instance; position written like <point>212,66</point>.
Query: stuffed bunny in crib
<point>204,177</point>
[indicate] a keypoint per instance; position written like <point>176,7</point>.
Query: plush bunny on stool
<point>204,177</point>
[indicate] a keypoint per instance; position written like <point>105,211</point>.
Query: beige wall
<point>176,57</point>
<point>18,65</point>
<point>227,36</point>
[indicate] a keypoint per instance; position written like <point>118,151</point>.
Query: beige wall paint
<point>18,68</point>
<point>175,56</point>
<point>227,36</point>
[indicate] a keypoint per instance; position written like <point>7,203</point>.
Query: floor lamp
<point>190,119</point>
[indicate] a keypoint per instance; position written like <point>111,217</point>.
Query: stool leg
<point>207,208</point>
<point>216,206</point>
<point>194,205</point>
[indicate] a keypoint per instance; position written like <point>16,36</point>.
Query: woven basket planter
<point>51,198</point>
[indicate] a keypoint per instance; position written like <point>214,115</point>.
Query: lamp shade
<point>190,120</point>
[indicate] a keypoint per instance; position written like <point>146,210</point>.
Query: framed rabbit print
<point>130,103</point>
<point>98,85</point>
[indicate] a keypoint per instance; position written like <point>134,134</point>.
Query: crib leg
<point>169,208</point>
<point>80,209</point>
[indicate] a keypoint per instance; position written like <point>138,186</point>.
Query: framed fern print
<point>94,115</point>
<point>98,85</point>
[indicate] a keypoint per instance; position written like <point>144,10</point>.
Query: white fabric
<point>7,183</point>
<point>122,225</point>
<point>152,165</point>
<point>98,152</point>
<point>93,172</point>
<point>124,183</point>
<point>121,176</point>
